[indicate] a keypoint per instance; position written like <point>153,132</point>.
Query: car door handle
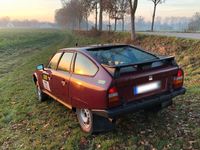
<point>50,77</point>
<point>63,82</point>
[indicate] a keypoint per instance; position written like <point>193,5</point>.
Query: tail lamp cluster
<point>113,97</point>
<point>178,79</point>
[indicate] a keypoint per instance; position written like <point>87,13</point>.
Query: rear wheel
<point>91,123</point>
<point>85,118</point>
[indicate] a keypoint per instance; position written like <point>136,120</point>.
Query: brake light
<point>178,80</point>
<point>113,97</point>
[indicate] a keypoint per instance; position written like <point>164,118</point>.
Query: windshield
<point>120,55</point>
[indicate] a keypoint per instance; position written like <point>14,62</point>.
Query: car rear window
<point>120,55</point>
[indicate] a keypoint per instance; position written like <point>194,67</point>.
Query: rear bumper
<point>164,100</point>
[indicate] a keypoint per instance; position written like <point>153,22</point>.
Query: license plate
<point>147,87</point>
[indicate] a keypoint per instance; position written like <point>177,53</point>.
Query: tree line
<point>171,23</point>
<point>75,12</point>
<point>194,24</point>
<point>6,22</point>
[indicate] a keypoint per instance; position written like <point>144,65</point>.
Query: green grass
<point>27,124</point>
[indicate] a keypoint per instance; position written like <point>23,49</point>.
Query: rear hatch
<point>140,84</point>
<point>136,74</point>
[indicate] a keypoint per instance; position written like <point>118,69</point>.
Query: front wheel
<point>40,95</point>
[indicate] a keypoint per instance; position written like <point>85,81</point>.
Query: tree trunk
<point>123,23</point>
<point>133,34</point>
<point>109,26</point>
<point>133,8</point>
<point>73,25</point>
<point>100,15</point>
<point>115,23</point>
<point>153,18</point>
<point>79,24</point>
<point>115,18</point>
<point>96,14</point>
<point>87,23</point>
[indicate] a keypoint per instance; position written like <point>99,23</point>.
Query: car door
<point>62,77</point>
<point>49,83</point>
<point>84,87</point>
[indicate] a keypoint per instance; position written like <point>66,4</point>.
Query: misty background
<point>161,24</point>
<point>170,23</point>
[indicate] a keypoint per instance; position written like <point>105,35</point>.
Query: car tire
<point>40,95</point>
<point>85,119</point>
<point>91,123</point>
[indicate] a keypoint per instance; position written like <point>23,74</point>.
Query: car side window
<point>84,66</point>
<point>65,62</point>
<point>54,61</point>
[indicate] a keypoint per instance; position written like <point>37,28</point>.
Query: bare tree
<point>155,2</point>
<point>100,15</point>
<point>87,7</point>
<point>115,13</point>
<point>102,8</point>
<point>123,10</point>
<point>116,10</point>
<point>67,16</point>
<point>76,5</point>
<point>61,17</point>
<point>109,5</point>
<point>133,7</point>
<point>194,24</point>
<point>96,14</point>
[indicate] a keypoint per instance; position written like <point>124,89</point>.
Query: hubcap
<point>85,117</point>
<point>39,93</point>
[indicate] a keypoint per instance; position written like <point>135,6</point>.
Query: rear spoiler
<point>114,70</point>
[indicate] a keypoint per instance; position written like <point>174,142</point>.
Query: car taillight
<point>113,97</point>
<point>178,80</point>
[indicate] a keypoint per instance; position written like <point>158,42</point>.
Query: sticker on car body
<point>45,77</point>
<point>46,85</point>
<point>45,81</point>
<point>101,81</point>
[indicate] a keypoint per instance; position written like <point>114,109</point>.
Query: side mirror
<point>40,67</point>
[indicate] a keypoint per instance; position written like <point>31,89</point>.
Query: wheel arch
<point>35,78</point>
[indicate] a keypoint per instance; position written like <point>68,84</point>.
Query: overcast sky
<point>44,10</point>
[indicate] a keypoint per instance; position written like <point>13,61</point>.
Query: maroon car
<point>100,83</point>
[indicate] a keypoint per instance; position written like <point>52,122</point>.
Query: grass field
<point>27,124</point>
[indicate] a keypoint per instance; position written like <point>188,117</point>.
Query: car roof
<point>91,47</point>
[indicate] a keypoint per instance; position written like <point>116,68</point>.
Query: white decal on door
<point>46,85</point>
